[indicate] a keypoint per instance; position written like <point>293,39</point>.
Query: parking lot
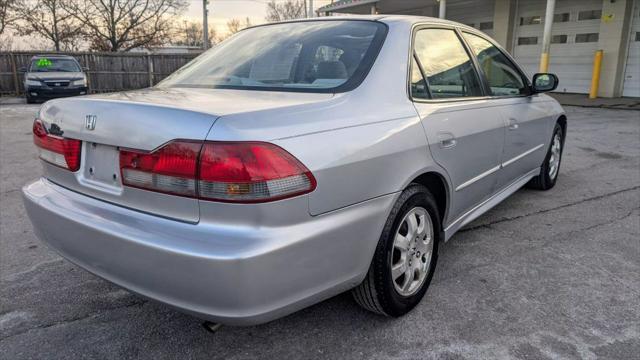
<point>544,275</point>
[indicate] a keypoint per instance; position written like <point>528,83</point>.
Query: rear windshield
<point>53,64</point>
<point>313,56</point>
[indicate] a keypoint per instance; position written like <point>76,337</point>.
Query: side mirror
<point>85,69</point>
<point>543,82</point>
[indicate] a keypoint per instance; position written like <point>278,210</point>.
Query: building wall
<point>580,28</point>
<point>631,86</point>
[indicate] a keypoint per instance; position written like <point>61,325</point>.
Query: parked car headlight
<point>79,82</point>
<point>30,82</point>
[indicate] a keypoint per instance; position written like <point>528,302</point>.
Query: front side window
<point>502,76</point>
<point>447,66</point>
<point>314,56</point>
<point>54,65</point>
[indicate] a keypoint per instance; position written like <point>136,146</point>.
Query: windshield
<point>316,56</point>
<point>53,64</point>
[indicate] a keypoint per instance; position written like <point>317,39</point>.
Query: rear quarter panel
<point>359,145</point>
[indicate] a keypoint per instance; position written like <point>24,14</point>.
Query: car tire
<point>380,292</point>
<point>30,100</point>
<point>550,168</point>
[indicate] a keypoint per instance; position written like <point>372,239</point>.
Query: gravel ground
<point>544,275</point>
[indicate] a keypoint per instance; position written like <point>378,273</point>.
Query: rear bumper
<point>53,93</point>
<point>238,275</point>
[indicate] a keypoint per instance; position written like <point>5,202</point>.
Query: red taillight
<point>170,169</point>
<point>251,172</point>
<point>56,150</point>
<point>220,171</point>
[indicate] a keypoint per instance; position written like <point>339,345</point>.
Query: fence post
<point>14,68</point>
<point>85,58</point>
<point>150,69</point>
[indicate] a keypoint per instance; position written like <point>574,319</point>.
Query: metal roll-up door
<point>575,37</point>
<point>477,14</point>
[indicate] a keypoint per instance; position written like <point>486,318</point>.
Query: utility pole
<point>442,9</point>
<point>205,25</point>
<point>546,36</point>
<point>310,13</point>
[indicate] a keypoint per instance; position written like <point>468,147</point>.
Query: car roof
<point>52,56</point>
<point>409,20</point>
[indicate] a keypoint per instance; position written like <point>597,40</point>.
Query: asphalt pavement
<point>544,275</point>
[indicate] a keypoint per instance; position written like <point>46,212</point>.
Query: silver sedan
<point>293,162</point>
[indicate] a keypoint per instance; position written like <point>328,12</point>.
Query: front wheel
<point>406,255</point>
<point>551,167</point>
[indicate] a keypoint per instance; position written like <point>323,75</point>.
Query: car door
<point>527,124</point>
<point>464,129</point>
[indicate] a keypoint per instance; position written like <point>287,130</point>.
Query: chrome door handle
<point>513,124</point>
<point>447,140</point>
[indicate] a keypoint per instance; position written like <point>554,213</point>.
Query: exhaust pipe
<point>211,326</point>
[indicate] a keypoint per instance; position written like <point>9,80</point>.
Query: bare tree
<point>7,14</point>
<point>121,25</point>
<point>49,19</point>
<point>235,25</point>
<point>190,34</point>
<point>287,10</point>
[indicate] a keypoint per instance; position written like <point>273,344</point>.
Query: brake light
<point>56,150</point>
<point>251,172</point>
<point>219,171</point>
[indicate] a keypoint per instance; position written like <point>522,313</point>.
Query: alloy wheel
<point>554,160</point>
<point>412,251</point>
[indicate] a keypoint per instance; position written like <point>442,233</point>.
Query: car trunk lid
<point>107,126</point>
<point>144,121</point>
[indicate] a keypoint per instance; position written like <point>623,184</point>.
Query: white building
<point>580,27</point>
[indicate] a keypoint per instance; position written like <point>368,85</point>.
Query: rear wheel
<point>405,258</point>
<point>30,100</point>
<point>551,167</point>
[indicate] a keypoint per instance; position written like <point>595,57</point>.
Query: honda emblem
<point>90,121</point>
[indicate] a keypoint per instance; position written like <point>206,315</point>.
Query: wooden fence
<point>106,72</point>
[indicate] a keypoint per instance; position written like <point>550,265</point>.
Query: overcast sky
<point>220,11</point>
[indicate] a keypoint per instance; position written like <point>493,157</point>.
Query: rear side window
<point>418,84</point>
<point>502,76</point>
<point>446,65</point>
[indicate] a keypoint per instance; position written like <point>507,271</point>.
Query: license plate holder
<point>102,166</point>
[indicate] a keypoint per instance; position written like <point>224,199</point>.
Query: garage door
<point>632,70</point>
<point>575,37</point>
<point>476,13</point>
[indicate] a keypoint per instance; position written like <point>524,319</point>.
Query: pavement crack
<point>74,319</point>
<point>511,218</point>
<point>15,276</point>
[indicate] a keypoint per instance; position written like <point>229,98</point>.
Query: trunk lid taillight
<point>242,172</point>
<point>56,150</point>
<point>170,169</point>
